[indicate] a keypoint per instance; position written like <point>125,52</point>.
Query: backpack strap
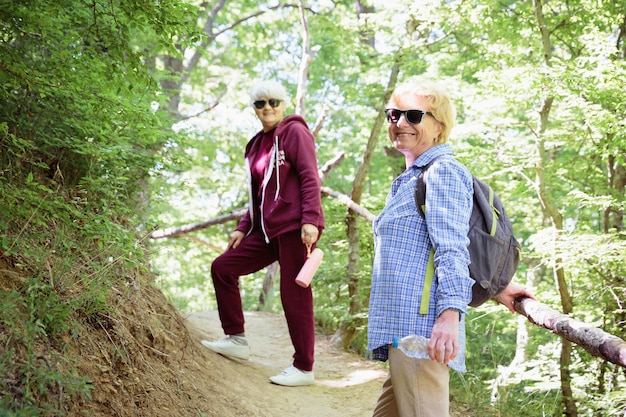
<point>420,202</point>
<point>428,283</point>
<point>496,213</point>
<point>420,190</point>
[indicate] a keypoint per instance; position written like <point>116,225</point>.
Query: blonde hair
<point>440,104</point>
<point>268,89</point>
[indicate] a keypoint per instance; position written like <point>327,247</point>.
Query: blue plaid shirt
<point>402,246</point>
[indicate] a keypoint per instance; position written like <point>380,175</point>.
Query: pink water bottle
<point>309,268</point>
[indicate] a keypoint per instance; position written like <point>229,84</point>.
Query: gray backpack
<point>493,249</point>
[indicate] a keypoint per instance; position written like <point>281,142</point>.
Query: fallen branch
<point>595,341</point>
<point>182,230</point>
<point>237,214</point>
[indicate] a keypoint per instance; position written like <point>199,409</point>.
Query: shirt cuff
<point>456,306</point>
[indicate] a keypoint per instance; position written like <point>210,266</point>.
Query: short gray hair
<point>269,89</point>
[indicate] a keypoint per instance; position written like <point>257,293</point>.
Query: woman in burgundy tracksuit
<point>283,223</point>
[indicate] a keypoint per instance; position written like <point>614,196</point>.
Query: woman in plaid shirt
<point>420,120</point>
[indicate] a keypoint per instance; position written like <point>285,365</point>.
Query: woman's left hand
<point>309,235</point>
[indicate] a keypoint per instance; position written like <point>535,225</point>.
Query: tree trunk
<point>553,213</point>
<point>614,216</point>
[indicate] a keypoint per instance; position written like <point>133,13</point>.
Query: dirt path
<point>346,384</point>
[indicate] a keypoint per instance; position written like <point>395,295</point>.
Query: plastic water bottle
<point>416,346</point>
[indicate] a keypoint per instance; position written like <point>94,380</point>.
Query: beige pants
<point>414,388</point>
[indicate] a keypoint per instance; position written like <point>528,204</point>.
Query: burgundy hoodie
<point>290,195</point>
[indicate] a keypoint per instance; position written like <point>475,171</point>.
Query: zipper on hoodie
<point>250,197</point>
<point>268,175</point>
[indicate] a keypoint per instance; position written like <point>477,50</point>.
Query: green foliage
<point>48,314</point>
<point>80,132</point>
<point>89,162</point>
<point>33,380</point>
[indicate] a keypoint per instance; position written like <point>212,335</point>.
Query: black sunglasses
<point>259,104</point>
<point>414,117</point>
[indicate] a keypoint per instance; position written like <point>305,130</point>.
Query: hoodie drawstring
<point>277,162</point>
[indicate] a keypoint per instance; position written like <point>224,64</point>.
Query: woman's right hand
<point>235,239</point>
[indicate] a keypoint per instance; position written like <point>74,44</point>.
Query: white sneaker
<point>229,346</point>
<point>293,377</point>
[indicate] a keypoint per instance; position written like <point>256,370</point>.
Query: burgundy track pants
<point>253,254</point>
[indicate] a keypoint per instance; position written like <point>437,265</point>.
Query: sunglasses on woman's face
<point>414,117</point>
<point>259,104</point>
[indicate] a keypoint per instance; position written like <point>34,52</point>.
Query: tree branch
<point>182,230</point>
<point>345,199</point>
<point>329,165</point>
<point>211,107</point>
<point>319,123</point>
<point>595,341</point>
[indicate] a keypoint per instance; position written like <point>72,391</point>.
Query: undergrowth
<point>60,258</point>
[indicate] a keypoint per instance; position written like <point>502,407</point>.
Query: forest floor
<point>345,384</point>
<point>148,362</point>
